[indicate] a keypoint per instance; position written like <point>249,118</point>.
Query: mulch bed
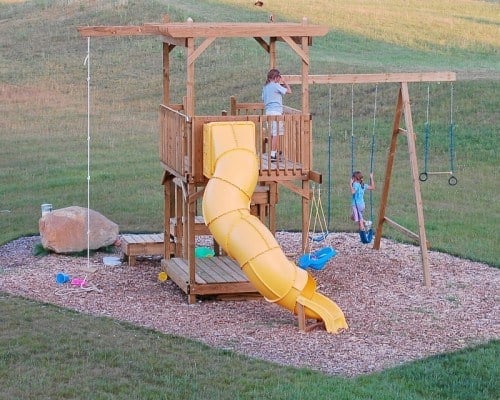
<point>393,318</point>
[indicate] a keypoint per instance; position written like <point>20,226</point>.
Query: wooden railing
<point>245,108</point>
<point>294,145</point>
<point>175,128</point>
<point>181,142</point>
<point>254,108</point>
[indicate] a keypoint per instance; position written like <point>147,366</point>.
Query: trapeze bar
<point>452,180</point>
<point>440,173</point>
<point>445,76</point>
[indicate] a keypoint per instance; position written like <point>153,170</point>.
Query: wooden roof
<point>182,30</point>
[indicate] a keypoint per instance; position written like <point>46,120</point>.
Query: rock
<point>65,230</point>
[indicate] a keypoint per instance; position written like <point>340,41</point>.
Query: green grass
<point>449,24</point>
<point>44,82</point>
<point>71,355</point>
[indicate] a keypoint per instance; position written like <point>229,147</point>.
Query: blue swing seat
<point>319,237</point>
<point>317,259</point>
<point>366,236</point>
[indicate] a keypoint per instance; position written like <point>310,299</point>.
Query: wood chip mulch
<point>393,318</point>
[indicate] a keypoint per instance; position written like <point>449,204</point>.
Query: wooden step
<point>133,245</point>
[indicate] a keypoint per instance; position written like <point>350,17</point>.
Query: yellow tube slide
<point>230,163</point>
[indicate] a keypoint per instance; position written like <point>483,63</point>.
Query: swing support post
<point>403,106</point>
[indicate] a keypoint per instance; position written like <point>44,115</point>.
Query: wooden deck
<point>214,276</point>
<point>281,170</point>
<point>134,245</point>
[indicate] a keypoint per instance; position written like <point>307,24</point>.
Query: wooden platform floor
<point>280,164</point>
<point>214,276</point>
<point>133,245</point>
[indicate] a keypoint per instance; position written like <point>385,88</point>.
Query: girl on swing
<point>358,188</point>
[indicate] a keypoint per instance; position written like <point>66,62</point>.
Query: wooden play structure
<point>181,146</point>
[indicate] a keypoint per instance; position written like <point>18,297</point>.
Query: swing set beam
<point>444,76</point>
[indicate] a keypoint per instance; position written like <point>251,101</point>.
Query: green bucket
<point>201,252</point>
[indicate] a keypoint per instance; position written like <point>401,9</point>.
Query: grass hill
<point>43,84</point>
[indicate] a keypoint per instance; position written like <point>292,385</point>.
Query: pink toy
<point>78,282</point>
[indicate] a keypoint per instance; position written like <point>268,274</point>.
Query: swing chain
<point>352,129</point>
<point>372,146</point>
<point>452,181</point>
<point>372,151</point>
<point>319,217</point>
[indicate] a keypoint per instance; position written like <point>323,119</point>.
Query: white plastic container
<point>46,208</point>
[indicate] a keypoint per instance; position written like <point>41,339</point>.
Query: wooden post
<point>179,226</point>
<point>190,79</point>
<point>272,52</point>
<point>167,212</point>
<point>388,171</point>
<point>403,105</point>
<point>306,206</point>
<point>416,182</point>
<point>305,110</point>
<point>190,239</point>
<point>166,73</point>
<point>302,320</point>
<point>305,76</point>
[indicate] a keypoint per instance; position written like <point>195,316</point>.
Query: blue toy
<point>317,259</point>
<point>366,236</point>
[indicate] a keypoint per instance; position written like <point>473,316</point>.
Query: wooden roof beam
<point>445,76</point>
<point>297,49</point>
<point>200,49</point>
<point>144,30</point>
<point>230,29</point>
<point>206,29</point>
<point>263,43</point>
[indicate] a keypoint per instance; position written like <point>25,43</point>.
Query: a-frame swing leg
<point>403,106</point>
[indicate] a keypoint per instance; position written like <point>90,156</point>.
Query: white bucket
<point>46,208</point>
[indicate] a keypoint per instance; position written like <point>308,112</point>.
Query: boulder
<point>65,230</point>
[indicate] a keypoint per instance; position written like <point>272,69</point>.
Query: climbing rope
<point>77,289</point>
<point>87,62</point>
